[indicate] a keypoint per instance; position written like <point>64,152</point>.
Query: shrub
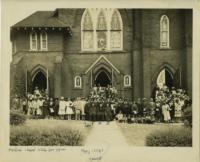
<point>170,137</point>
<point>17,118</point>
<point>26,136</point>
<point>187,115</point>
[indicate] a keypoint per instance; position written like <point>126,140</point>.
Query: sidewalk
<point>106,135</point>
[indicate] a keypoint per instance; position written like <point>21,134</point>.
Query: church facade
<point>68,51</point>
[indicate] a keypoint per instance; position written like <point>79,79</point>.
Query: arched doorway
<point>103,78</point>
<point>165,77</point>
<point>39,80</point>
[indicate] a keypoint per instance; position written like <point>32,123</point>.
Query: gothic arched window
<point>101,31</point>
<point>33,41</point>
<point>87,31</point>
<point>43,41</point>
<point>164,32</point>
<point>116,31</point>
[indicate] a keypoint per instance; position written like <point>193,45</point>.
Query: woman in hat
<point>62,105</point>
<point>165,111</point>
<point>40,104</point>
<point>69,110</point>
<point>34,104</point>
<point>178,110</point>
<point>30,106</point>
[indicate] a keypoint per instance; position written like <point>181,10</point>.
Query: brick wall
<point>141,56</point>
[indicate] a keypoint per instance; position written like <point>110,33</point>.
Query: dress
<point>39,104</point>
<point>82,107</point>
<point>62,105</point>
<point>178,109</point>
<point>51,107</point>
<point>69,110</point>
<point>165,111</point>
<point>34,104</point>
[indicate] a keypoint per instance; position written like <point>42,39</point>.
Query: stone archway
<point>103,78</point>
<point>165,77</point>
<point>39,80</point>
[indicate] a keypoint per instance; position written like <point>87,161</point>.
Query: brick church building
<point>67,51</point>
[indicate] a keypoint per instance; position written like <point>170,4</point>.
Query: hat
<point>62,98</point>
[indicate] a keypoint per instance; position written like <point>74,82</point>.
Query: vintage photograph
<point>102,76</point>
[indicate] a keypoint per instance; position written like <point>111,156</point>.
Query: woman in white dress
<point>30,106</point>
<point>178,110</point>
<point>62,105</point>
<point>34,104</point>
<point>38,105</point>
<point>165,112</point>
<point>69,110</point>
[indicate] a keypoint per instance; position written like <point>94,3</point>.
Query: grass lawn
<point>52,124</point>
<point>136,133</point>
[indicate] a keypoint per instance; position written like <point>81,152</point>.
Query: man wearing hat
<point>140,108</point>
<point>93,111</point>
<point>56,107</point>
<point>108,113</point>
<point>46,107</point>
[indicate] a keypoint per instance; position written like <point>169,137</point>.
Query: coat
<point>108,113</point>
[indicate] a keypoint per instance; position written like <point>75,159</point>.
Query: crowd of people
<point>104,104</point>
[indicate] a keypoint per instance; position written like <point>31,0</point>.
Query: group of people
<point>171,103</point>
<point>104,104</point>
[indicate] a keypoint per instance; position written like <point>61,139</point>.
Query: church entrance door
<point>103,78</point>
<point>40,81</point>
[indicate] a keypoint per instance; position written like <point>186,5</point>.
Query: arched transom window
<point>164,32</point>
<point>101,30</point>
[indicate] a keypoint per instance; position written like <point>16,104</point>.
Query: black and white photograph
<point>100,76</point>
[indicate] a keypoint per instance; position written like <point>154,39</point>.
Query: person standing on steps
<point>108,112</point>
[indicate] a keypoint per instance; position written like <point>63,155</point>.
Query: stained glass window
<point>87,21</point>
<point>115,40</point>
<point>88,40</point>
<point>115,22</point>
<point>101,23</point>
<point>115,34</point>
<point>164,31</point>
<point>101,29</point>
<point>87,33</point>
<point>101,32</point>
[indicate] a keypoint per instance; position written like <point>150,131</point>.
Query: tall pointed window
<point>164,32</point>
<point>33,41</point>
<point>116,31</point>
<point>101,31</point>
<point>43,41</point>
<point>87,32</point>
